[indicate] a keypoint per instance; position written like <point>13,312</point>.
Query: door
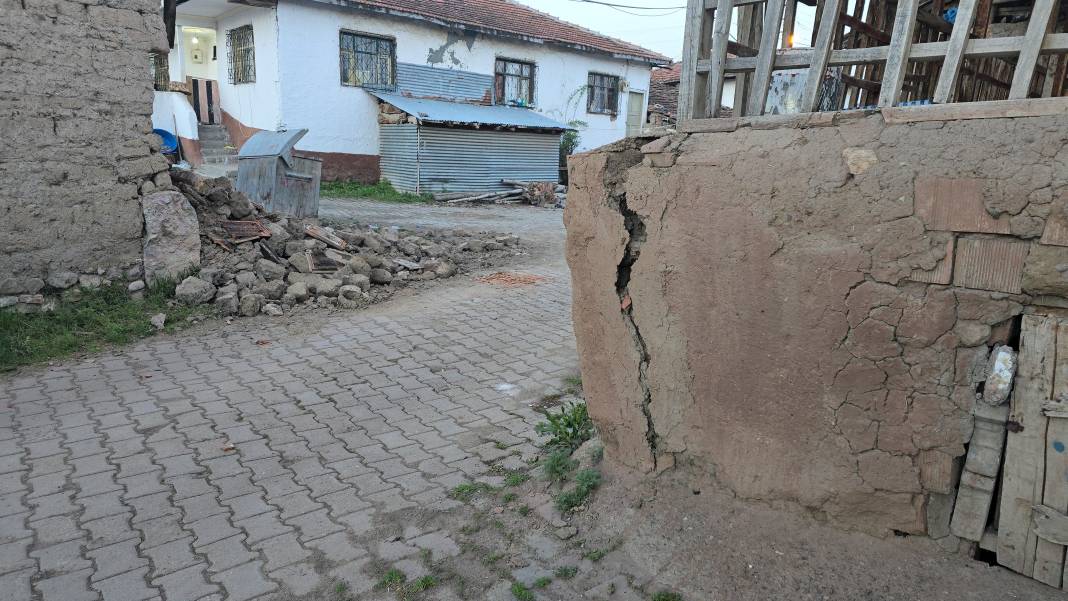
<point>635,113</point>
<point>205,99</point>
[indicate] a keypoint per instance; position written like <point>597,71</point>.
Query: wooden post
<point>769,45</point>
<point>788,21</point>
<point>897,57</point>
<point>1036,33</point>
<point>821,52</point>
<point>1049,556</point>
<point>695,13</point>
<point>721,28</point>
<point>748,16</point>
<point>962,27</point>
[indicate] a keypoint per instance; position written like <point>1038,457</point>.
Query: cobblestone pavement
<point>260,459</point>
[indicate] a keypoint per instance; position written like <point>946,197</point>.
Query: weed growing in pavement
<point>521,593</point>
<point>568,428</point>
<point>427,556</point>
<point>424,583</point>
<point>500,446</point>
<point>542,582</point>
<point>667,596</point>
<point>106,315</point>
<point>492,558</point>
<point>573,384</point>
<point>523,510</point>
<point>516,478</point>
<point>466,492</point>
<point>392,579</point>
<point>509,497</point>
<point>585,483</point>
<point>559,465</point>
<point>566,572</point>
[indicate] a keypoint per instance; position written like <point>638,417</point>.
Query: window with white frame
<point>513,82</point>
<point>241,54</point>
<point>368,61</point>
<point>602,97</point>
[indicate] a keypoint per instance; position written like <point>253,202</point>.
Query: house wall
<point>75,106</point>
<point>343,119</point>
<point>812,338</point>
<point>254,105</point>
<point>207,68</point>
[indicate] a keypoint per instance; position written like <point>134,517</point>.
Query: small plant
<point>492,558</point>
<point>500,446</point>
<point>585,483</point>
<point>341,587</point>
<point>667,596</point>
<point>559,465</point>
<point>568,428</point>
<point>509,497</point>
<point>516,478</point>
<point>466,492</point>
<point>424,583</point>
<point>596,555</point>
<point>542,582</point>
<point>573,384</point>
<point>521,593</point>
<point>383,191</point>
<point>523,510</point>
<point>566,572</point>
<point>392,579</point>
<point>427,555</point>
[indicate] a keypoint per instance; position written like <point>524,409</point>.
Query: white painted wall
<point>205,40</point>
<point>344,119</point>
<point>171,111</point>
<point>254,104</point>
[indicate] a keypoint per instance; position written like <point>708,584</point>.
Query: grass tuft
<point>568,428</point>
<point>667,596</point>
<point>466,492</point>
<point>542,582</point>
<point>559,465</point>
<point>516,478</point>
<point>521,593</point>
<point>566,572</point>
<point>585,483</point>
<point>383,191</point>
<point>101,317</point>
<point>425,583</point>
<point>392,579</point>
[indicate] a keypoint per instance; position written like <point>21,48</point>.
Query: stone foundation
<point>75,107</point>
<point>797,307</point>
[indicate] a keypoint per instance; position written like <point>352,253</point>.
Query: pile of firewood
<point>540,194</point>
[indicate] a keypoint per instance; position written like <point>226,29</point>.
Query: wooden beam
<point>820,54</point>
<point>741,49</point>
<point>789,19</point>
<point>747,26</point>
<point>769,45</point>
<point>695,14</point>
<point>1033,41</point>
<point>863,28</point>
<point>897,54</point>
<point>1054,43</point>
<point>962,28</point>
<point>721,29</point>
<point>1049,551</point>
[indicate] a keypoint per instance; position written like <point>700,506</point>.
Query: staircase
<point>219,153</point>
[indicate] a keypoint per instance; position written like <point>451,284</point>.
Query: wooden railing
<point>709,53</point>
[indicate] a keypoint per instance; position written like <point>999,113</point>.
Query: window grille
<point>368,61</point>
<point>161,76</point>
<point>603,96</point>
<point>241,54</point>
<point>513,82</point>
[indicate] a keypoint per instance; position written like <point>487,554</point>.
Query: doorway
<point>635,113</point>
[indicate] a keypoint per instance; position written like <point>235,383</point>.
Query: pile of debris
<point>252,261</point>
<point>539,194</point>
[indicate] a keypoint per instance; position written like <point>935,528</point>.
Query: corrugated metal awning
<point>440,111</point>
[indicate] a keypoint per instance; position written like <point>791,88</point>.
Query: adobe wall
<point>796,306</point>
<point>75,121</point>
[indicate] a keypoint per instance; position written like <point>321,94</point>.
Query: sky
<point>660,30</point>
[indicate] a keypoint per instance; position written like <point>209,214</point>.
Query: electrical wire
<point>631,6</point>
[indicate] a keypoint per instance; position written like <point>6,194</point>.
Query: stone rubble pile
<point>293,262</point>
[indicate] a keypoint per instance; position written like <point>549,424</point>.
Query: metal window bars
<point>368,61</point>
<point>513,82</point>
<point>926,57</point>
<point>161,76</point>
<point>603,95</point>
<point>241,54</point>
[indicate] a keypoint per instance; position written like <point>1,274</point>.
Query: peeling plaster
<point>443,53</point>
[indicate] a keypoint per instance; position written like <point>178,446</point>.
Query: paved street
<point>262,459</point>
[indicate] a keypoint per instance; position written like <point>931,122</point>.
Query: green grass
<point>509,497</point>
<point>667,596</point>
<point>424,583</point>
<point>101,317</point>
<point>542,582</point>
<point>523,510</point>
<point>568,428</point>
<point>392,579</point>
<point>558,465</point>
<point>585,483</point>
<point>383,191</point>
<point>566,572</point>
<point>515,478</point>
<point>521,593</point>
<point>466,492</point>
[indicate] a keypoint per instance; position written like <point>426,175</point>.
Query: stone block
<point>171,245</point>
<point>1046,270</point>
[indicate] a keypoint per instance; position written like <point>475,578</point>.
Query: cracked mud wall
<point>75,121</point>
<point>803,316</point>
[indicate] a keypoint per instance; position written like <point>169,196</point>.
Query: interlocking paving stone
<point>205,467</point>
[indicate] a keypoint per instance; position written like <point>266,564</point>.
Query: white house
<point>341,68</point>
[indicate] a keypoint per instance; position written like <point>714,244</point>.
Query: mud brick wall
<point>796,307</point>
<point>75,123</point>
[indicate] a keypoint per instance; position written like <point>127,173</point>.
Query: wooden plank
<point>769,45</point>
<point>789,20</point>
<point>1051,525</point>
<point>721,29</point>
<point>863,28</point>
<point>1049,555</point>
<point>977,483</point>
<point>927,51</point>
<point>897,56</point>
<point>821,52</point>
<point>695,14</point>
<point>962,27</point>
<point>748,17</point>
<point>991,109</point>
<point>1033,41</point>
<point>1023,472</point>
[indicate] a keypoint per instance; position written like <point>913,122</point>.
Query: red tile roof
<point>504,17</point>
<point>669,74</point>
